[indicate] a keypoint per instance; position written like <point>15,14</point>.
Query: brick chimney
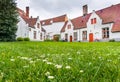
<point>27,11</point>
<point>85,10</point>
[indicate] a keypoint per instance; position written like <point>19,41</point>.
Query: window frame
<point>105,33</point>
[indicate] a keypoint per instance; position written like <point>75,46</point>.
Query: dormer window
<point>43,23</point>
<point>51,21</point>
<point>93,21</point>
<point>69,26</point>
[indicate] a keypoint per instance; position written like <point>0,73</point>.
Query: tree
<point>8,20</point>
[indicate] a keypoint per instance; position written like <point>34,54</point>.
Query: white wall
<point>38,32</point>
<point>69,32</point>
<point>96,29</point>
<point>53,29</point>
<point>22,30</point>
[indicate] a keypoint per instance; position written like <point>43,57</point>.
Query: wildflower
<point>2,74</point>
<point>47,73</point>
<point>99,57</point>
<point>51,77</point>
<point>70,58</point>
<point>89,63</point>
<point>49,63</point>
<point>26,66</point>
<point>81,71</point>
<point>67,67</point>
<point>42,56</point>
<point>58,66</point>
<point>12,60</point>
<point>31,61</point>
<point>38,60</point>
<point>109,60</point>
<point>78,52</point>
<point>44,60</point>
<point>24,58</point>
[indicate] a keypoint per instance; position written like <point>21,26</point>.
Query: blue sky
<point>52,8</point>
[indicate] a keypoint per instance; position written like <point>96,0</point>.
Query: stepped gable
<point>53,20</point>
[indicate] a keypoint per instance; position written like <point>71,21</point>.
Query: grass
<point>59,62</point>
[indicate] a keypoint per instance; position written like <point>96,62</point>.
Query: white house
<point>53,26</point>
<point>29,27</point>
<point>101,25</point>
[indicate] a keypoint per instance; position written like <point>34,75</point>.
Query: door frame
<point>91,37</point>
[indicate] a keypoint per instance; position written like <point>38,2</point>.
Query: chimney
<point>85,10</point>
<point>27,11</point>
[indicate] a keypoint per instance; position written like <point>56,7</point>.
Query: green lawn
<point>59,62</point>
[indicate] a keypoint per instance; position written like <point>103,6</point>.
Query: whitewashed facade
<point>53,26</point>
<point>29,27</point>
<point>97,26</point>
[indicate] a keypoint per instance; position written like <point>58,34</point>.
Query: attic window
<point>69,26</point>
<point>93,21</point>
<point>51,21</point>
<point>43,23</point>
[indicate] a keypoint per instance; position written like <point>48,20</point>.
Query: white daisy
<point>51,77</point>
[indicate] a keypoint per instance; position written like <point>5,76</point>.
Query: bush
<point>26,39</point>
<point>48,40</point>
<point>112,40</point>
<point>20,39</point>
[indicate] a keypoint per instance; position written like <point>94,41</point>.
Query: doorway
<point>91,37</point>
<point>70,38</point>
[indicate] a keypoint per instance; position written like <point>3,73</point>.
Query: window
<point>43,23</point>
<point>34,35</point>
<point>84,35</point>
<point>66,37</point>
<point>29,29</point>
<point>38,25</point>
<point>75,36</point>
<point>51,21</point>
<point>40,36</point>
<point>93,21</point>
<point>69,26</point>
<point>105,33</point>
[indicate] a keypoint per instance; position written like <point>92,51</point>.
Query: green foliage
<point>20,39</point>
<point>59,62</point>
<point>56,37</point>
<point>112,40</point>
<point>8,20</point>
<point>27,39</point>
<point>48,40</point>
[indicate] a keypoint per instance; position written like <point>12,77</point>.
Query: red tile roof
<point>108,15</point>
<point>31,21</point>
<point>111,14</point>
<point>62,18</point>
<point>116,26</point>
<point>80,22</point>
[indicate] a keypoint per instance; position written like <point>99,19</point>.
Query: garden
<point>59,62</point>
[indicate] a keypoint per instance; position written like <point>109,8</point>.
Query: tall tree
<point>8,20</point>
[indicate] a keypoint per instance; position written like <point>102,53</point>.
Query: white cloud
<point>52,8</point>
